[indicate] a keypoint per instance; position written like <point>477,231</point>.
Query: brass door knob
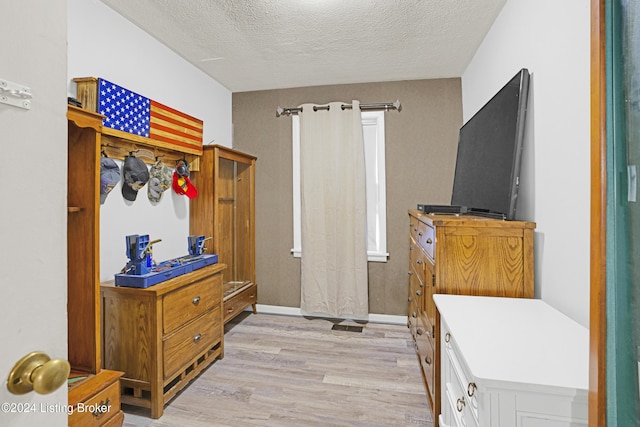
<point>36,371</point>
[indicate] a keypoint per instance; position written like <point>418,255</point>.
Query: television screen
<point>490,146</point>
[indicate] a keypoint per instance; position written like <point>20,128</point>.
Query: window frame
<point>375,169</point>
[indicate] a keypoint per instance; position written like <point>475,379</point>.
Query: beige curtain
<point>333,212</point>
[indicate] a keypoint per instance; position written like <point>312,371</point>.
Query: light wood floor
<point>293,371</point>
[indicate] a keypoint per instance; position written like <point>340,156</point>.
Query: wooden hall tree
<point>224,211</point>
<point>89,384</point>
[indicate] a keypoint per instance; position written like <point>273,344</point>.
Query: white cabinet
<point>511,362</point>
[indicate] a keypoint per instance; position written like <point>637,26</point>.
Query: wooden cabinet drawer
<point>186,343</point>
<point>428,241</point>
<point>239,301</point>
<point>426,354</point>
<point>101,408</point>
<point>415,296</point>
<point>417,261</point>
<point>424,235</point>
<point>190,302</point>
<point>413,228</point>
<point>430,290</point>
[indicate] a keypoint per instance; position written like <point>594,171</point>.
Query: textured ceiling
<point>271,44</point>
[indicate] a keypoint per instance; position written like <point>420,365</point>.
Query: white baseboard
<point>295,311</point>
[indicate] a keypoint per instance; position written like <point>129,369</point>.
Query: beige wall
<point>421,143</point>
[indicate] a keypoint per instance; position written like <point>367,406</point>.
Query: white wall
<point>551,38</point>
<point>101,43</point>
<point>33,217</point>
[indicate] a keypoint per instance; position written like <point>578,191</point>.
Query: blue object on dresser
<point>140,271</point>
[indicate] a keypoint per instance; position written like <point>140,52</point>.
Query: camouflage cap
<point>160,177</point>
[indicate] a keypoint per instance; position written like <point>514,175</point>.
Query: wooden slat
<point>597,317</point>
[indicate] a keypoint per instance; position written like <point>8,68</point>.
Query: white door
<point>33,152</point>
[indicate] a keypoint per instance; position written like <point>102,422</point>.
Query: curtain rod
<point>383,106</point>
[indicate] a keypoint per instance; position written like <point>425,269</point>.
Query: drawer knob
<point>409,299</point>
<point>471,389</point>
<point>196,300</point>
<point>460,404</point>
<point>419,331</point>
<point>413,314</point>
<point>420,233</point>
<point>102,408</point>
<point>429,241</point>
<point>418,292</point>
<point>197,337</point>
<point>419,261</point>
<point>447,337</point>
<point>427,360</point>
<point>409,273</point>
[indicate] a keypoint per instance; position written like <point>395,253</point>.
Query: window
<point>374,147</point>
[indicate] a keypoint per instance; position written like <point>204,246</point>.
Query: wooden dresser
<point>163,336</point>
<point>511,362</point>
<point>468,255</point>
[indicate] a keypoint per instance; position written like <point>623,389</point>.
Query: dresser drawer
<point>186,343</point>
<point>238,302</point>
<point>430,290</point>
<point>413,228</point>
<point>99,409</point>
<point>417,260</point>
<point>458,377</point>
<point>428,241</point>
<point>455,408</point>
<point>189,302</point>
<point>426,353</point>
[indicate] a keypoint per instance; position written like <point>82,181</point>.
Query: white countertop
<point>517,340</point>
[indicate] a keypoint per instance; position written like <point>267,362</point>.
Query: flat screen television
<point>490,144</point>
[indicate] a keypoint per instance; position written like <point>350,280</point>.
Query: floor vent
<point>347,328</point>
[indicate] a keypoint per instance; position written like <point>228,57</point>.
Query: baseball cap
<point>159,181</point>
<point>135,174</point>
<point>109,177</point>
<point>182,185</point>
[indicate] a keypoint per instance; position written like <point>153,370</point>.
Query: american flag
<point>130,112</point>
<point>123,109</point>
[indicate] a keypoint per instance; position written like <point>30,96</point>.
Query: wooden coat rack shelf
<point>118,145</point>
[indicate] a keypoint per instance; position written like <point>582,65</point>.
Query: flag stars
<point>124,110</point>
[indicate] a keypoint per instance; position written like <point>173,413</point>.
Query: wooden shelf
<point>233,288</point>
